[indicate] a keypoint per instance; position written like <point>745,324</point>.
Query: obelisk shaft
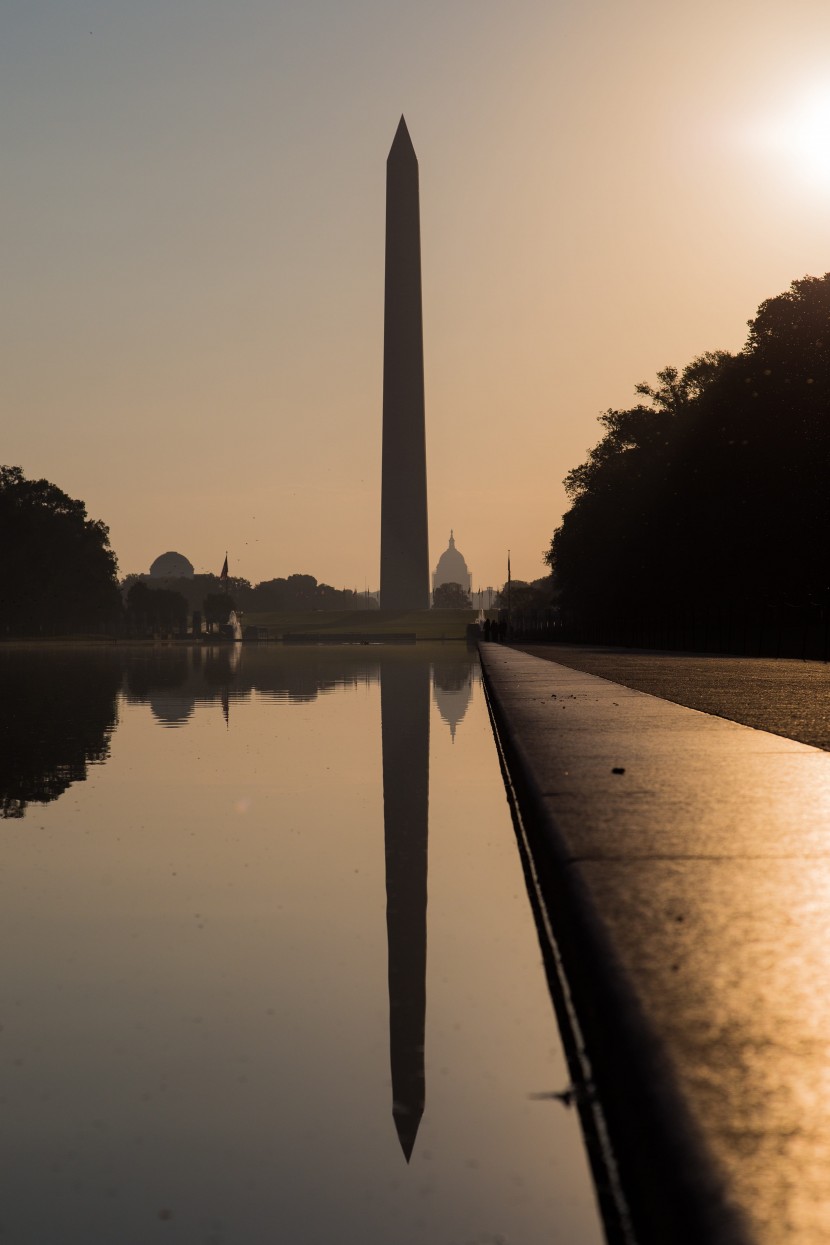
<point>404,550</point>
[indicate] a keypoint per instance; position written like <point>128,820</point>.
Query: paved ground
<point>786,696</point>
<point>686,861</point>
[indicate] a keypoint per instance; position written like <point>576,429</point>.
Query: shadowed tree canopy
<point>193,588</point>
<point>217,607</point>
<point>298,593</point>
<point>450,597</point>
<point>294,594</point>
<point>59,573</point>
<point>536,595</point>
<point>153,608</point>
<point>715,489</point>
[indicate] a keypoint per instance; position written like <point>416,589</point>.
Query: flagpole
<point>508,581</point>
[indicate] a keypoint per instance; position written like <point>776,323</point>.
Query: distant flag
<point>223,575</point>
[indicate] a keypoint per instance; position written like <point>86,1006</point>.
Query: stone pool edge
<point>675,1189</point>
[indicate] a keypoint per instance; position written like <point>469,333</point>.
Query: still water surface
<point>270,972</point>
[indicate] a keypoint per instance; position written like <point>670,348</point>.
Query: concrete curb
<point>677,1188</point>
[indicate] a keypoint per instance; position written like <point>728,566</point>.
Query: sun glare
<point>800,137</point>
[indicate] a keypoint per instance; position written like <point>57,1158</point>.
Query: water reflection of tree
<point>56,717</point>
<point>174,680</point>
<point>151,669</point>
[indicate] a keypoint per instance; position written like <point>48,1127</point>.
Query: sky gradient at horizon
<point>193,251</point>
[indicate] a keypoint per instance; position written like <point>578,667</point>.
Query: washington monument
<point>404,552</point>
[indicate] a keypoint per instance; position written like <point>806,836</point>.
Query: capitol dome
<point>452,569</point>
<point>171,566</point>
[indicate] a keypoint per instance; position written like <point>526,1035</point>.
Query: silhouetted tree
<point>195,588</point>
<point>151,609</point>
<point>450,596</point>
<point>536,595</point>
<point>293,594</point>
<point>716,491</point>
<point>301,593</point>
<point>217,607</point>
<point>59,573</point>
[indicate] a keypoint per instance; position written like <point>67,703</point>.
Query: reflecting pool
<point>270,971</point>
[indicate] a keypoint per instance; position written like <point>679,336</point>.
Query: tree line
<point>59,572</point>
<point>712,489</point>
<point>161,602</point>
<point>60,575</point>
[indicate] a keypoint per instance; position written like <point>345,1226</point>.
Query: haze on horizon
<point>193,251</point>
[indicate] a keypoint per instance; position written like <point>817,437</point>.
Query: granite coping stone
<point>687,861</point>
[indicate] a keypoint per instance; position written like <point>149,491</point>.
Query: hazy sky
<point>193,250</point>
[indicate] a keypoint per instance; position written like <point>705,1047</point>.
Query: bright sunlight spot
<point>801,138</point>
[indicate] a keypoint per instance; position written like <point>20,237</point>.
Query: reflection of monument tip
<point>407,1124</point>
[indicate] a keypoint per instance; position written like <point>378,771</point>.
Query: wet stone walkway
<point>782,695</point>
<point>688,873</point>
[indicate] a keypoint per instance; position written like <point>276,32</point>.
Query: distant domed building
<point>452,569</point>
<point>171,566</point>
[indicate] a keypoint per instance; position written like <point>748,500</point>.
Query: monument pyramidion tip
<point>402,143</point>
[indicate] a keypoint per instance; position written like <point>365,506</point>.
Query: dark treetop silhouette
<point>58,568</point>
<point>717,491</point>
<point>404,553</point>
<point>450,596</point>
<point>294,594</point>
<point>150,608</point>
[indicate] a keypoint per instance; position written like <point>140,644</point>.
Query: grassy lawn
<point>427,624</point>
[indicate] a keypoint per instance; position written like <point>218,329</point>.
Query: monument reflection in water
<point>198,1041</point>
<point>404,700</point>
